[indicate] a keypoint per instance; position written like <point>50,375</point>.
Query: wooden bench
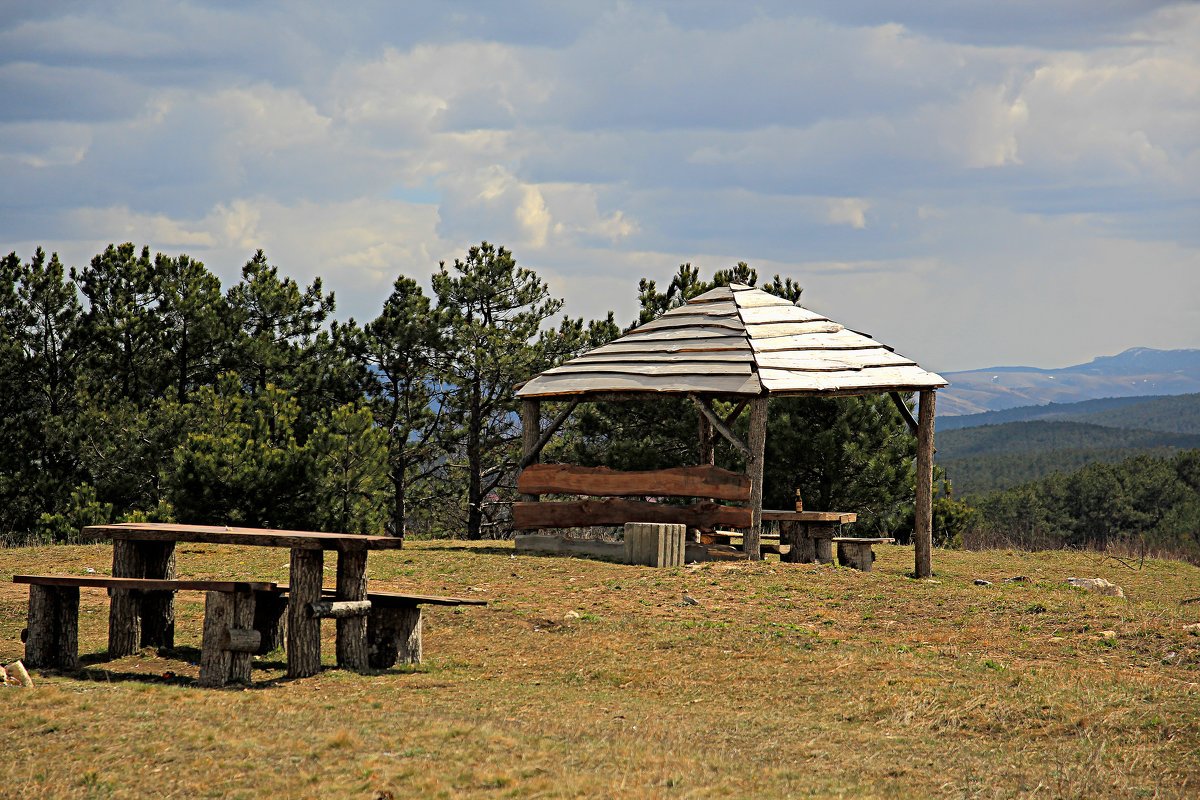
<point>229,639</point>
<point>853,551</point>
<point>394,623</point>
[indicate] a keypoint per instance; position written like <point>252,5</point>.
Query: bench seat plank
<point>261,537</point>
<point>394,599</point>
<point>863,540</point>
<point>144,584</point>
<point>840,517</point>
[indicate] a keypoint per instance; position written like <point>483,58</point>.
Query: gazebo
<point>742,345</point>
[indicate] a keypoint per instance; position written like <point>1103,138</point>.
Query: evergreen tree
<point>494,310</point>
<point>403,348</point>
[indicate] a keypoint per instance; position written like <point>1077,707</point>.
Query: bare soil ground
<point>587,679</point>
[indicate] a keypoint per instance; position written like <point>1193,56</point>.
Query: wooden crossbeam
<point>702,481</point>
<point>719,425</point>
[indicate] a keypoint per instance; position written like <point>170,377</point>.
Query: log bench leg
<point>394,634</point>
<point>824,550</point>
<point>853,554</point>
<point>229,640</point>
<point>270,609</point>
<point>52,638</point>
<point>303,630</point>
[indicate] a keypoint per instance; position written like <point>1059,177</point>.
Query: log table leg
<point>352,631</point>
<point>803,548</point>
<point>304,631</point>
<point>125,605</point>
<point>158,608</point>
<point>269,620</point>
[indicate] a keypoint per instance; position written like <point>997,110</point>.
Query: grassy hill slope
<point>590,679</point>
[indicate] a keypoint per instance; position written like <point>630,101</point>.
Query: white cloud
<point>894,159</point>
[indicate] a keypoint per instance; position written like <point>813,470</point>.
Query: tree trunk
<point>754,469</point>
<point>474,469</point>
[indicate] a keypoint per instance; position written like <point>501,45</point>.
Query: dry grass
<point>784,681</point>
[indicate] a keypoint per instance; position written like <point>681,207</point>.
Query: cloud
<point>942,169</point>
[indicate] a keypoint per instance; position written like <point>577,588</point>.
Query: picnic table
<point>809,533</point>
<point>147,618</point>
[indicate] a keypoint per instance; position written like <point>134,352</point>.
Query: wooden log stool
<point>857,552</point>
<point>394,626</point>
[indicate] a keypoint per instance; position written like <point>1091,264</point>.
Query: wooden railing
<point>707,482</point>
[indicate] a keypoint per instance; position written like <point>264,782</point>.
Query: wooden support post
<point>240,638</point>
<point>125,605</point>
<point>352,630</point>
<point>923,533</point>
<point>304,631</point>
<point>708,451</point>
<point>754,469</point>
<point>214,658</point>
<point>531,432</point>
<point>802,547</point>
<point>158,608</point>
<point>269,616</point>
<point>707,458</point>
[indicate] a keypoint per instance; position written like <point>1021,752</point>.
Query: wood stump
<point>125,605</point>
<point>394,634</point>
<point>229,640</point>
<point>52,638</point>
<point>304,631</point>
<point>270,620</point>
<point>803,548</point>
<point>824,549</point>
<point>352,629</point>
<point>157,608</point>
<point>855,554</point>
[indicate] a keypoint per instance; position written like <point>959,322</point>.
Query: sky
<point>973,184</point>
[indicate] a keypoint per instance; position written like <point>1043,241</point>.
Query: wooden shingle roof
<point>736,340</point>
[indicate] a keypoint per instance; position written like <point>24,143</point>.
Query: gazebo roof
<point>736,340</point>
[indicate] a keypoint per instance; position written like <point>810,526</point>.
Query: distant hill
<point>1140,371</point>
<point>990,457</point>
<point>1171,414</point>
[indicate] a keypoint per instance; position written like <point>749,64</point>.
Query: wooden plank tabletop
<point>144,584</point>
<point>222,534</point>
<point>809,516</point>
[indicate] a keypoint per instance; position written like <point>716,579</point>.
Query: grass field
<point>586,679</point>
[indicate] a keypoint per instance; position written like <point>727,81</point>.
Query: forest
<point>138,388</point>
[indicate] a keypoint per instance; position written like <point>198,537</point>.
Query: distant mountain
<point>989,457</point>
<point>1171,414</point>
<point>1140,371</point>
